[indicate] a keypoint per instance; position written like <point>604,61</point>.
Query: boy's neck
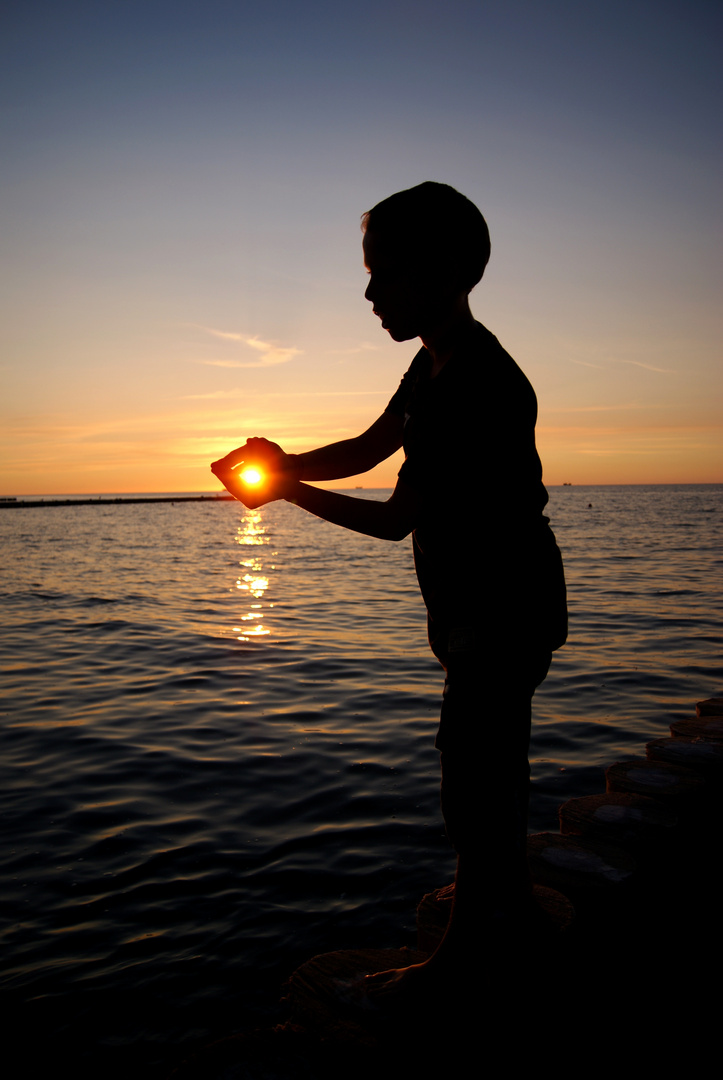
<point>443,340</point>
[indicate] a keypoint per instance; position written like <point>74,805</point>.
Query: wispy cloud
<point>214,395</point>
<point>620,407</point>
<point>241,392</point>
<point>271,352</point>
<point>618,360</point>
<point>648,367</point>
<point>363,346</point>
<point>613,451</point>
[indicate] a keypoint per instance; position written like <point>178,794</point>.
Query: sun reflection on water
<point>254,582</point>
<point>251,529</point>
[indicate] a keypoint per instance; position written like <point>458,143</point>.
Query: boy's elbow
<point>398,530</point>
<point>402,514</point>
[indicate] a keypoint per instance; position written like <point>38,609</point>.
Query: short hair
<point>435,222</point>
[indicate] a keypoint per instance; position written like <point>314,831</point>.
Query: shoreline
<point>8,504</point>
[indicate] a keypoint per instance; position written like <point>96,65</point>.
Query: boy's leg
<point>484,739</point>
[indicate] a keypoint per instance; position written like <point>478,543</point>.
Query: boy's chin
<point>401,333</point>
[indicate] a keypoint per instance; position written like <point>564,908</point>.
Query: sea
<point>217,744</point>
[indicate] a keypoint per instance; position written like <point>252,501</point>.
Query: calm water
<point>217,742</point>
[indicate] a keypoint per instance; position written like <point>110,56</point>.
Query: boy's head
<point>436,227</point>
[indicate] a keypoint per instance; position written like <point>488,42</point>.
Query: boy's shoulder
<point>486,367</point>
<point>481,375</point>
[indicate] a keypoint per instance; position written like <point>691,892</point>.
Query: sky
<point>181,187</point>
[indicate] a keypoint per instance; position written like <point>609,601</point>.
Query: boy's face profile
<point>408,298</point>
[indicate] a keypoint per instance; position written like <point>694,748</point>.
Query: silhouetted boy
<point>470,491</point>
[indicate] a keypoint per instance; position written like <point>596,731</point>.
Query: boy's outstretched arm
<point>353,456</point>
<point>390,520</point>
<point>333,462</point>
<point>283,473</point>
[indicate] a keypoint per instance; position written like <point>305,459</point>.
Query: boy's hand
<point>257,473</point>
<point>272,458</point>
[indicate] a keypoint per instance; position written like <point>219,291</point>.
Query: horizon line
<point>353,487</point>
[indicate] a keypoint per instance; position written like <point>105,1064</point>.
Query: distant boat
<point>567,483</point>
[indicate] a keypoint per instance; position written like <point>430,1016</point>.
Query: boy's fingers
<point>221,467</point>
<point>231,460</point>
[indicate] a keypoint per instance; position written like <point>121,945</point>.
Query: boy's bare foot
<point>399,984</point>
<point>425,985</point>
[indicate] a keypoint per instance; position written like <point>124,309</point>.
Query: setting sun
<point>250,476</point>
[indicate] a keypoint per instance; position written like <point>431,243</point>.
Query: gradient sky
<point>181,257</point>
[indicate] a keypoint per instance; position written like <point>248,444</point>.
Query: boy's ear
<point>440,274</point>
<point>452,283</point>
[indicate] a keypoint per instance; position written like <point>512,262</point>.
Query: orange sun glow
<point>250,476</point>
